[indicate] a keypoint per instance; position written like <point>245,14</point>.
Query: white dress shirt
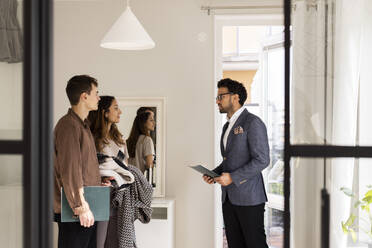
<point>231,121</point>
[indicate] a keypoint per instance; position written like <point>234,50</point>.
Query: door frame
<point>221,20</point>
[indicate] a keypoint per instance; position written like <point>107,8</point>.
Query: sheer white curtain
<point>347,55</point>
<point>347,45</point>
<point>352,119</point>
<point>365,119</point>
<point>307,119</point>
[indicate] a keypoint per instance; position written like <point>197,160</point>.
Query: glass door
<point>11,124</point>
<point>25,125</point>
<point>327,159</point>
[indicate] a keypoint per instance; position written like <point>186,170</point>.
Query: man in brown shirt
<point>76,164</point>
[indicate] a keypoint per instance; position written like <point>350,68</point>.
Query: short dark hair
<point>234,87</point>
<point>77,85</point>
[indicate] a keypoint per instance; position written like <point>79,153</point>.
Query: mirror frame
<point>159,103</point>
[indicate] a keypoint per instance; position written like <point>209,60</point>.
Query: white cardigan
<point>110,168</point>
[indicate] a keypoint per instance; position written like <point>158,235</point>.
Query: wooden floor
<point>273,241</point>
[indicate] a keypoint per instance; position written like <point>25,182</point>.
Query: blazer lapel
<point>221,146</point>
<point>236,124</point>
<point>221,142</point>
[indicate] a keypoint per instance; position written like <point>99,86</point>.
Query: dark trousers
<point>73,235</point>
<point>244,225</point>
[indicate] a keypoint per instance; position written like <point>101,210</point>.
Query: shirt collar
<point>235,115</point>
<point>85,123</point>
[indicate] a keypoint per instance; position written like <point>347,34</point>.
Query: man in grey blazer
<point>245,151</point>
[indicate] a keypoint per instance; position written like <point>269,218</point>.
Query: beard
<point>224,110</point>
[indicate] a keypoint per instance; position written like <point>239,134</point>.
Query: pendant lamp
<point>127,33</point>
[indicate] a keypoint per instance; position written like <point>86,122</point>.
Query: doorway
<point>250,49</point>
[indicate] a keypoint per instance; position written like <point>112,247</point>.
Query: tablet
<point>201,169</point>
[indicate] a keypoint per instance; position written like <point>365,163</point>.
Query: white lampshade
<point>127,33</point>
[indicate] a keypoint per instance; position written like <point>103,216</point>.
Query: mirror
<point>129,107</point>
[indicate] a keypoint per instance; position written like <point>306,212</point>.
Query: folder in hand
<point>98,198</point>
<point>201,169</point>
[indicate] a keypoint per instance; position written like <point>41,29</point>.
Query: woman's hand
<point>105,181</point>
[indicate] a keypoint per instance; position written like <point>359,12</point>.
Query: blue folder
<point>98,198</point>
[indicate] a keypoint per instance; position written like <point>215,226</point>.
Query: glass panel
<point>348,181</point>
<point>274,174</point>
<point>365,195</point>
<point>275,119</point>
<point>275,228</point>
<point>305,201</point>
<point>11,53</point>
<point>11,204</point>
<point>246,43</point>
<point>229,40</point>
<point>331,76</point>
<point>308,81</point>
<point>351,202</point>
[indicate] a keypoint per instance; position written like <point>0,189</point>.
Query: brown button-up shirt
<point>75,162</point>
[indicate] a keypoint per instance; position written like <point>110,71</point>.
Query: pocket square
<point>238,130</point>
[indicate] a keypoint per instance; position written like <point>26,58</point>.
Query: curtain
<point>331,98</point>
<point>352,117</point>
<point>346,88</point>
<point>327,83</point>
<point>307,118</point>
<point>11,44</point>
<point>365,123</point>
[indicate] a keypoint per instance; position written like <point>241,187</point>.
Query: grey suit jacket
<point>246,155</point>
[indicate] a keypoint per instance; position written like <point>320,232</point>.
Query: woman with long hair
<point>110,145</point>
<point>140,144</point>
<point>103,123</point>
<point>112,152</point>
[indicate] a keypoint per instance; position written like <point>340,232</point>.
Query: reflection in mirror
<point>140,142</point>
<point>142,125</point>
<point>130,113</point>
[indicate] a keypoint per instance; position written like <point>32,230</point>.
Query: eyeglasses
<point>220,96</point>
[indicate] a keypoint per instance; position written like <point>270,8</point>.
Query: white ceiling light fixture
<point>127,33</point>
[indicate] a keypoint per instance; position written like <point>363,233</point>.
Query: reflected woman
<point>140,144</point>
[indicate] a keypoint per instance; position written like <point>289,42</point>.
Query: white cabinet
<point>159,233</point>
